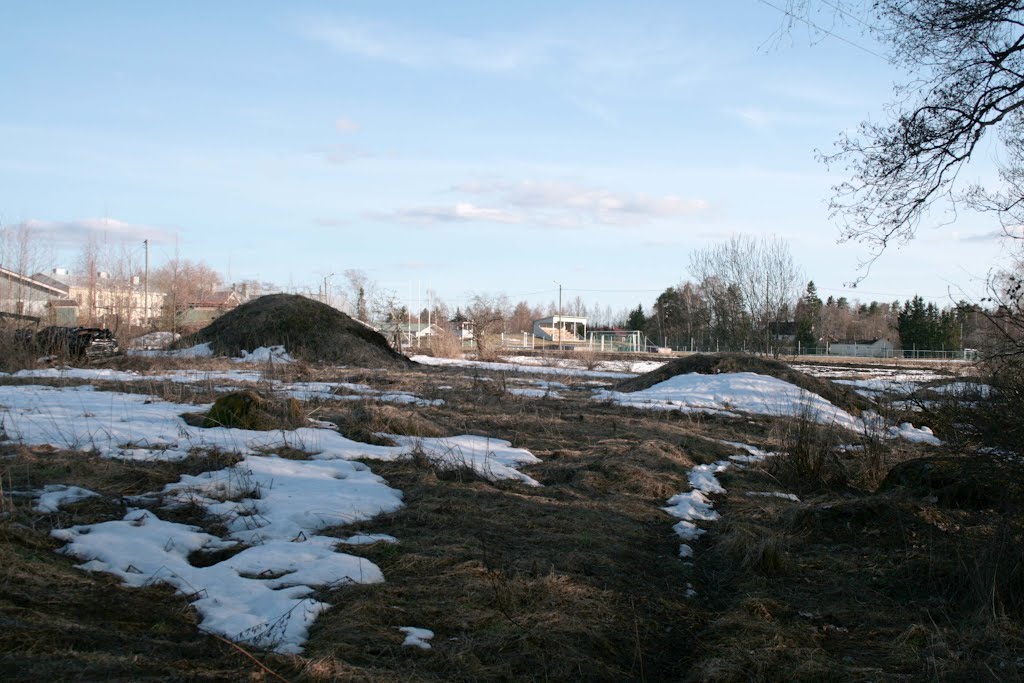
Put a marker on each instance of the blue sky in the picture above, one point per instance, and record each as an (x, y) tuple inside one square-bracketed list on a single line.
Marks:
[(477, 147)]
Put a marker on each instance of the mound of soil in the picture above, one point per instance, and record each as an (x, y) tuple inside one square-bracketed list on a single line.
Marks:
[(981, 481), (309, 330), (716, 363)]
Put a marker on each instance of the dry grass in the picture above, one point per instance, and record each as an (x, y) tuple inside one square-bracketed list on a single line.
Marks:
[(366, 420), (907, 566), (59, 622), (881, 573)]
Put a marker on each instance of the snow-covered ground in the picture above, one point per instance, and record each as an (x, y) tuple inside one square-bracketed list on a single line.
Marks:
[(272, 507), (894, 374), (531, 366), (748, 392), (275, 509), (228, 380)]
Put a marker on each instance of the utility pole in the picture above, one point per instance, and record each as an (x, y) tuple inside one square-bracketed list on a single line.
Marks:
[(561, 325), (145, 300), (767, 311)]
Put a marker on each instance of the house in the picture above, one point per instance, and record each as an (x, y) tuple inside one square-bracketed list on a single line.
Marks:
[(417, 333), (202, 312), (863, 348)]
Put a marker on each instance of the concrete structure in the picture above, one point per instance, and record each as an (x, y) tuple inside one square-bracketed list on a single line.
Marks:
[(867, 348), (561, 328)]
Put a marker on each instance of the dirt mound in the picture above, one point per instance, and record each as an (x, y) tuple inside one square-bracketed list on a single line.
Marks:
[(715, 363), (308, 329), (981, 481)]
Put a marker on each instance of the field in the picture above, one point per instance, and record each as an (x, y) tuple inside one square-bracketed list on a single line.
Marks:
[(525, 519)]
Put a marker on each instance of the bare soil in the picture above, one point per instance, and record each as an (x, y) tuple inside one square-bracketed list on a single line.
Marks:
[(310, 330)]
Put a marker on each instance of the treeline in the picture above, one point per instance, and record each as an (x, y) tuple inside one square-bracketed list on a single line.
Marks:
[(716, 317)]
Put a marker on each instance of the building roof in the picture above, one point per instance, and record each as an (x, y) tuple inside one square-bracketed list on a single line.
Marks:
[(47, 280), (561, 319), (46, 285), (223, 298)]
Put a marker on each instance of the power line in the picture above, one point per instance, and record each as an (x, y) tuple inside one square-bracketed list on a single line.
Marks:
[(826, 31)]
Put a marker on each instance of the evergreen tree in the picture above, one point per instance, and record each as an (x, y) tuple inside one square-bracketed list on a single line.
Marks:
[(808, 317), (636, 320)]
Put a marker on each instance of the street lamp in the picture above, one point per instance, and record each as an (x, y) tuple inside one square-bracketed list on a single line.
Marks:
[(327, 297)]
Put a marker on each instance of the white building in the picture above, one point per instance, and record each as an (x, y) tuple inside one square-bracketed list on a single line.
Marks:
[(29, 294), (108, 302), (561, 328), (868, 348)]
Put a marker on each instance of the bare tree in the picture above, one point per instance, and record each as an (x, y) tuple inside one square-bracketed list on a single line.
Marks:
[(965, 60), (184, 282), (88, 269), (388, 310), (488, 315), (759, 275), (522, 317), (361, 290)]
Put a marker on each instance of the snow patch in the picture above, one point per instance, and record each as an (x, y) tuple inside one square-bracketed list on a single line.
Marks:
[(416, 637), (259, 596), (52, 496)]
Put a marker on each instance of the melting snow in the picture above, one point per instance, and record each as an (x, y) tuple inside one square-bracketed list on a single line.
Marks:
[(275, 505), (259, 596), (759, 394), (522, 367), (53, 496), (416, 637)]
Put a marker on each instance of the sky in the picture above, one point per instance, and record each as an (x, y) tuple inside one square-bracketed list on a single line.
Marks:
[(462, 147)]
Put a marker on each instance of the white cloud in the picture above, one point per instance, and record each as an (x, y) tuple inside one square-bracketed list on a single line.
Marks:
[(343, 154), (425, 49), (333, 222), (568, 205), (344, 125), (462, 212), (75, 232), (1015, 232), (603, 53)]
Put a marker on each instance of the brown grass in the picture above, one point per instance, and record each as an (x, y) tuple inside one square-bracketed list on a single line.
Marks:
[(883, 574)]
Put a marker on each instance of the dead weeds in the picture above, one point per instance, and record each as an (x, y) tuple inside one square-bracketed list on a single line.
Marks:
[(578, 579)]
